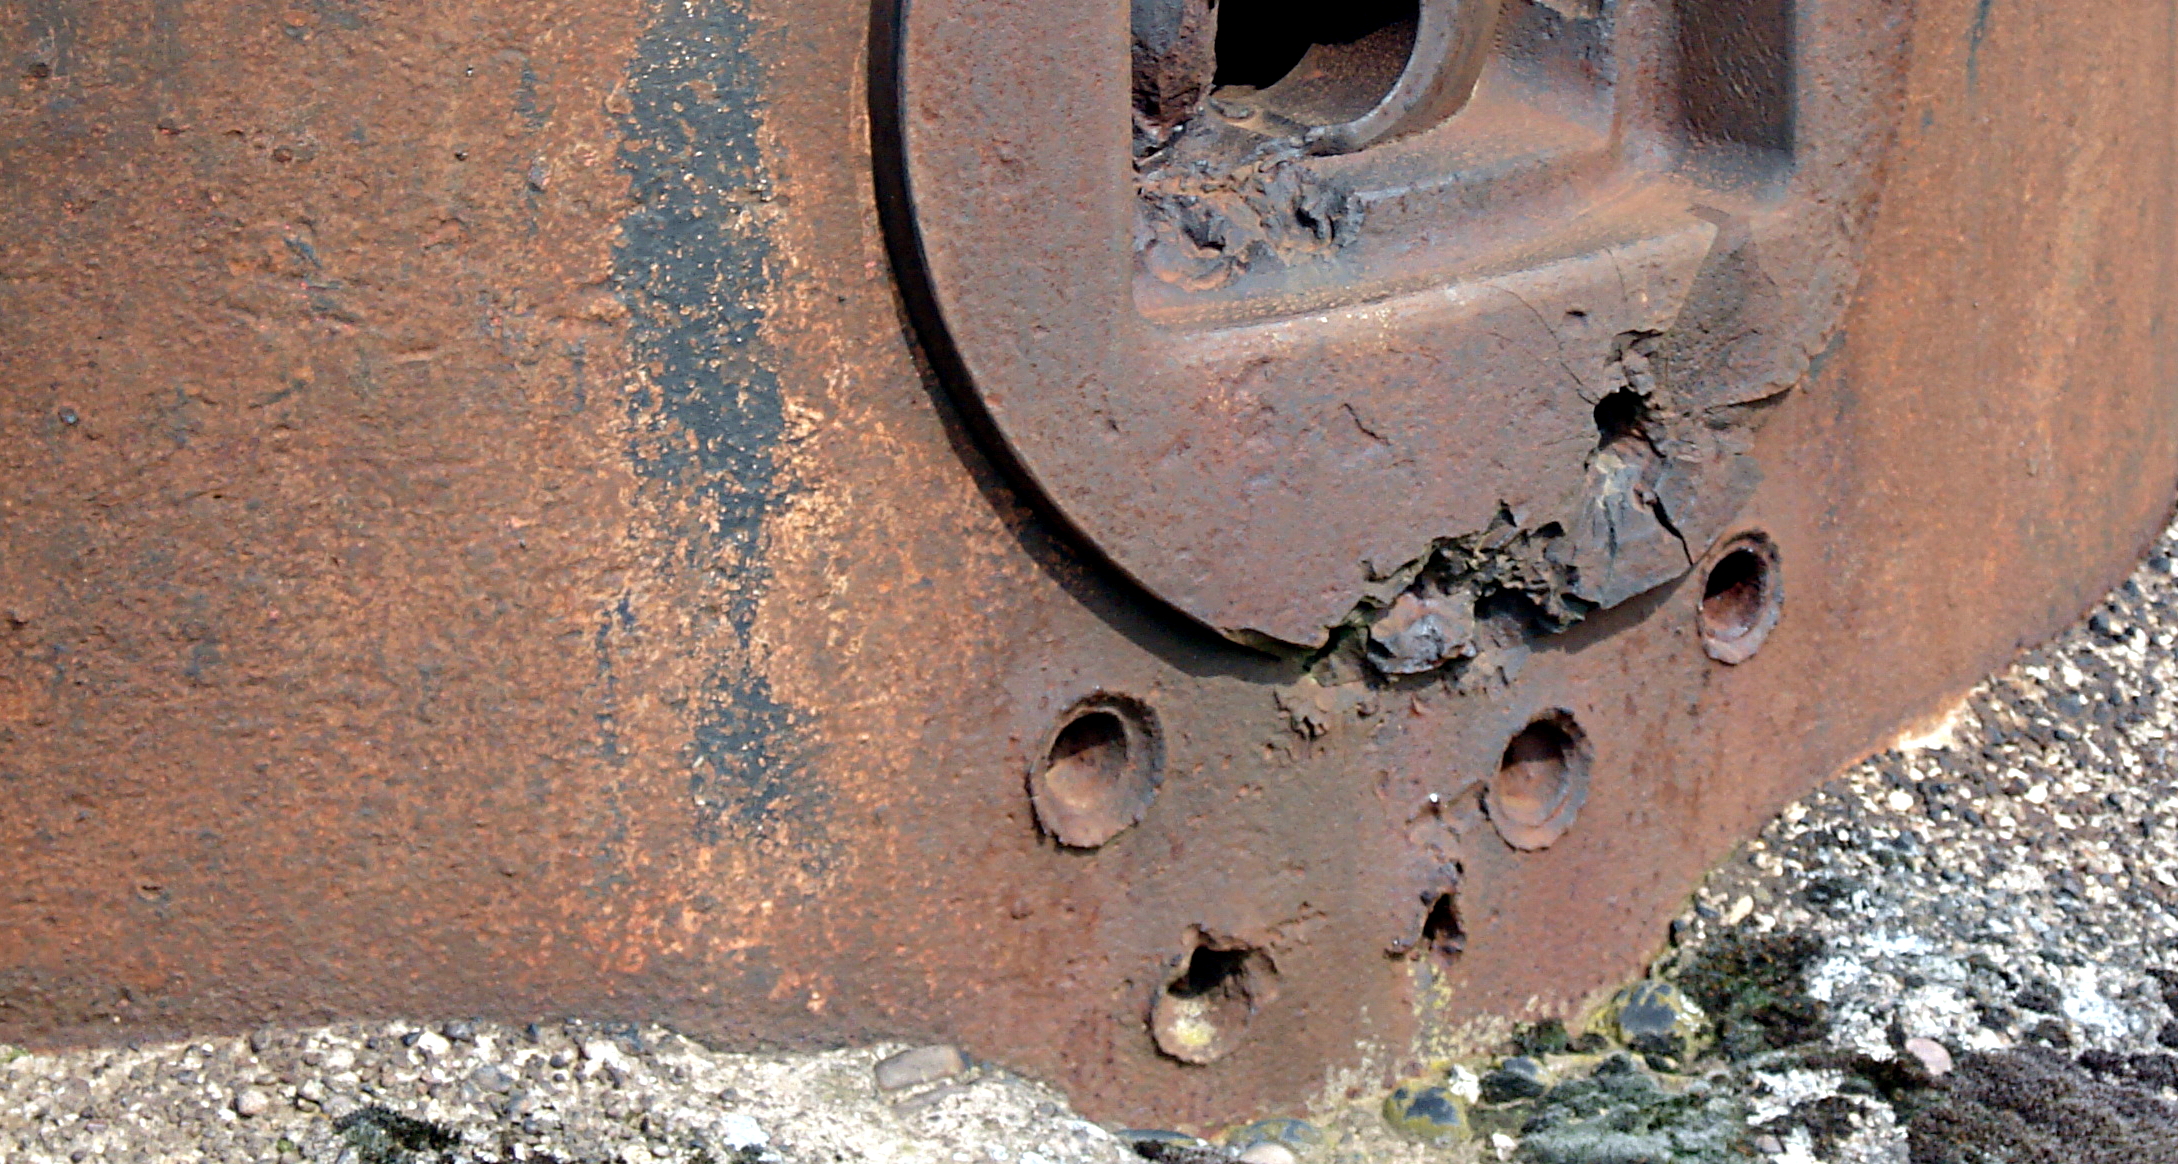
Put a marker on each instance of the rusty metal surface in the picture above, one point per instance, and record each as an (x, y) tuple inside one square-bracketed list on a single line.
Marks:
[(479, 538)]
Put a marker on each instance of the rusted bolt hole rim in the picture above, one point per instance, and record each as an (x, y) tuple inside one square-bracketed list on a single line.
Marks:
[(1743, 596), (1541, 782), (1099, 772), (1204, 1009)]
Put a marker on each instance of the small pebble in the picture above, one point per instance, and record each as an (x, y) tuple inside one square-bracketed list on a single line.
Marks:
[(1656, 1018), (1901, 800), (1934, 1057), (1298, 1135), (913, 1068), (251, 1103), (1515, 1079), (1139, 1136), (1741, 910), (1269, 1153), (1430, 1112), (740, 1132)]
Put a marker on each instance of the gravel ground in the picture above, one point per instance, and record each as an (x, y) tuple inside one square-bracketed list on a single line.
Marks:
[(2003, 893), (480, 1092), (1962, 951)]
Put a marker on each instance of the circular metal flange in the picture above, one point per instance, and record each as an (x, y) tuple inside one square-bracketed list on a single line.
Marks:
[(1273, 387)]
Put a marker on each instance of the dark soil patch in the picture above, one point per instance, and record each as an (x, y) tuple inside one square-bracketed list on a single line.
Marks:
[(2034, 1106)]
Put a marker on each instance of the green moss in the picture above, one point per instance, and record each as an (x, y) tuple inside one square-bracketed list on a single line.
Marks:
[(1622, 1115), (1547, 1037), (1754, 988), (381, 1136)]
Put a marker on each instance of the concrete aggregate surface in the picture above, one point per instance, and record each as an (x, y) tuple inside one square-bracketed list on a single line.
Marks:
[(473, 1091), (1962, 951)]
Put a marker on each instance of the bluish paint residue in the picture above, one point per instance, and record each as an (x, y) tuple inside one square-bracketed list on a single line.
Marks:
[(708, 418), (1974, 36)]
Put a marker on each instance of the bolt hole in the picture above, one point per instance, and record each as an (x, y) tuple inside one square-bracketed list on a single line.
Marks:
[(1203, 1010), (1442, 933), (1209, 972), (1089, 753), (1541, 783), (1741, 601), (1315, 64), (1100, 772)]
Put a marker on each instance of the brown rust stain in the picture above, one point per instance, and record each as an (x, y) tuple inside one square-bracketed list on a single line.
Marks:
[(315, 497)]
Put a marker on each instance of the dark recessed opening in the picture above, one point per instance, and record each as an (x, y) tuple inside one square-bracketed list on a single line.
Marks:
[(1732, 598), (1328, 63), (1513, 612), (1100, 774), (1741, 601), (1209, 971), (1541, 783), (1621, 416), (1534, 778), (1441, 932), (1259, 41), (1089, 751), (1201, 1014)]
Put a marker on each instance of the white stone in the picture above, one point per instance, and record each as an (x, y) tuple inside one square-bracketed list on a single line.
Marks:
[(737, 1131), (920, 1065), (1934, 1058)]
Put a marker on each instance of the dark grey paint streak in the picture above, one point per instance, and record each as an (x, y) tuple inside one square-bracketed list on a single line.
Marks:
[(706, 423)]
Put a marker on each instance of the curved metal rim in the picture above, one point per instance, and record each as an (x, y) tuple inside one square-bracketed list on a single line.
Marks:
[(905, 252)]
